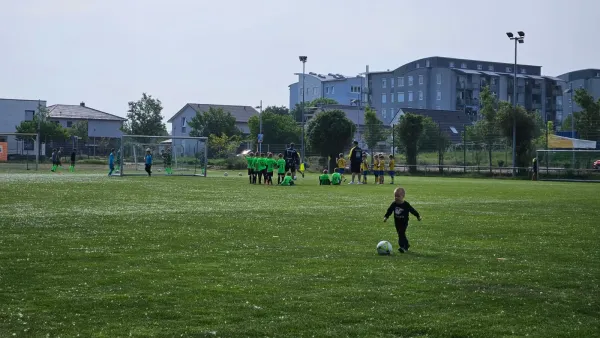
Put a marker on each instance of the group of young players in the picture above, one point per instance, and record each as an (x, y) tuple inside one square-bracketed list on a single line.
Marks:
[(379, 168)]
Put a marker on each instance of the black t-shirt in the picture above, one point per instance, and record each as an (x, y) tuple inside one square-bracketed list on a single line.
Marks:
[(401, 212), (291, 156), (356, 155)]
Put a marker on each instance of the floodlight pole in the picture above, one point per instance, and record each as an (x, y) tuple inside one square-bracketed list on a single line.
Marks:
[(260, 127), (303, 60), (572, 125), (37, 141), (520, 38)]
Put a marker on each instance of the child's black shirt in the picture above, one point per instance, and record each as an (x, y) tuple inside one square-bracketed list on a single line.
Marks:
[(401, 212)]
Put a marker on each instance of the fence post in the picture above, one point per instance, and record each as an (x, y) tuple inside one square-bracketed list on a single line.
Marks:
[(440, 150), (465, 148)]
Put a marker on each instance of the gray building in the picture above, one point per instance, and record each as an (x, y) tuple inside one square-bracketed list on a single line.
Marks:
[(341, 88), (12, 113), (451, 122), (440, 83), (100, 124), (588, 79)]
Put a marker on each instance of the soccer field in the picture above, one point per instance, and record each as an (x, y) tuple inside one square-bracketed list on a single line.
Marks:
[(84, 254)]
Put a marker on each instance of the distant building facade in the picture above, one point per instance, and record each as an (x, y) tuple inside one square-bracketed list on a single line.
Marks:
[(343, 89), (451, 84), (100, 124), (12, 113), (588, 79)]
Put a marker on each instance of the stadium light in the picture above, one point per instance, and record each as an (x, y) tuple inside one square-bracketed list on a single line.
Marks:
[(260, 131), (517, 39), (303, 59)]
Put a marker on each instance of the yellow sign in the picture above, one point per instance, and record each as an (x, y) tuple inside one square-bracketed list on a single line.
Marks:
[(557, 142)]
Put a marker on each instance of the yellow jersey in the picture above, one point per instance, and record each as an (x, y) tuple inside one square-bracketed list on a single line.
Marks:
[(375, 164), (341, 163), (364, 165), (381, 165), (391, 165)]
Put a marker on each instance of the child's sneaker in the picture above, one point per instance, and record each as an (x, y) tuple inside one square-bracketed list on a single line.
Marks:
[(401, 250)]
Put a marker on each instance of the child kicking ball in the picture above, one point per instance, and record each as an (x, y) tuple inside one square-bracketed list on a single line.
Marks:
[(401, 210)]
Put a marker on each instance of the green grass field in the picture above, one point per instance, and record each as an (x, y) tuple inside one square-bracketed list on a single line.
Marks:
[(84, 254)]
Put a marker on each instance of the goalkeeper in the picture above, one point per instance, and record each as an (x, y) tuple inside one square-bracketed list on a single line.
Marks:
[(167, 160)]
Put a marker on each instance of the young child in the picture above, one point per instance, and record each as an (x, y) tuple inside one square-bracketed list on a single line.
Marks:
[(392, 168), (168, 159), (270, 166), (364, 167), (250, 163), (148, 162), (118, 160), (58, 159), (341, 165), (72, 167), (111, 162), (336, 178), (280, 169), (288, 180), (53, 160), (324, 179), (381, 168), (401, 210), (376, 167), (261, 168)]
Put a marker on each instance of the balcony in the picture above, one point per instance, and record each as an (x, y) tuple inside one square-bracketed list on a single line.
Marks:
[(536, 91)]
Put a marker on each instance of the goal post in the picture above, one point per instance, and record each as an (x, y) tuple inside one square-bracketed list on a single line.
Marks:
[(20, 151), (171, 155), (576, 165)]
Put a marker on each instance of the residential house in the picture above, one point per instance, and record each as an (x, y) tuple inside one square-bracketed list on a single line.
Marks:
[(12, 113), (100, 124)]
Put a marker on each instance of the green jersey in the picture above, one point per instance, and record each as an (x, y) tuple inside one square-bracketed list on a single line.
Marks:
[(287, 180), (281, 166), (261, 163), (324, 179), (336, 178), (270, 164), (250, 161), (255, 163)]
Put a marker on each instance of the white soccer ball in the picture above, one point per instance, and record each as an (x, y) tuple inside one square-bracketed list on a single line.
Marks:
[(384, 248), (240, 174), (225, 174)]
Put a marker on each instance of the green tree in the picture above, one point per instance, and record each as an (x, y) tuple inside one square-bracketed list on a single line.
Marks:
[(566, 123), (408, 133), (486, 128), (278, 110), (374, 129), (144, 117), (587, 121), (329, 132), (215, 121), (223, 146), (527, 130), (277, 129), (49, 131), (79, 129)]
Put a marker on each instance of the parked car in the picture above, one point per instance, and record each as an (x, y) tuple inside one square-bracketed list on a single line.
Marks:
[(596, 165)]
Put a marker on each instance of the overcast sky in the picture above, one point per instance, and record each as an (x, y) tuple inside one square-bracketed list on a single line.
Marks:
[(108, 52)]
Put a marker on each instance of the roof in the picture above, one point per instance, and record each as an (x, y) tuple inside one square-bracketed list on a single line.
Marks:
[(353, 113), (452, 122), (581, 74), (80, 112), (328, 77), (241, 113)]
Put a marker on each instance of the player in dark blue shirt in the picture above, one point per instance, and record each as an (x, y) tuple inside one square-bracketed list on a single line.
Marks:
[(401, 210), (111, 162)]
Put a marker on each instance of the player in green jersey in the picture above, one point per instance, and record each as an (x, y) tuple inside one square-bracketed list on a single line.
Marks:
[(324, 179), (250, 162), (336, 178), (280, 169), (287, 180), (270, 166)]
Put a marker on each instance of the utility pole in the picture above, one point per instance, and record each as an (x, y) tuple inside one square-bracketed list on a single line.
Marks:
[(519, 39)]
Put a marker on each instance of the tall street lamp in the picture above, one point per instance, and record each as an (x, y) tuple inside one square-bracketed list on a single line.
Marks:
[(303, 60), (570, 92), (260, 131), (517, 39)]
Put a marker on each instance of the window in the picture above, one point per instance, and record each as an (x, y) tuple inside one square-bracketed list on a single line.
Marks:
[(491, 68), (420, 95), (523, 71), (355, 89), (29, 115), (307, 91), (315, 91), (392, 97), (438, 107), (332, 89), (451, 64), (391, 82), (439, 78), (400, 97), (410, 97), (401, 82), (420, 79), (479, 67), (183, 124), (508, 69), (427, 64), (597, 74), (301, 91), (69, 124), (326, 90), (383, 83), (463, 65), (418, 65), (410, 80), (383, 98), (383, 113), (439, 95)]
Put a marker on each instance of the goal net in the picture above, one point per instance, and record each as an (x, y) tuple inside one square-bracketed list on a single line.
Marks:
[(569, 165), (171, 155), (19, 151)]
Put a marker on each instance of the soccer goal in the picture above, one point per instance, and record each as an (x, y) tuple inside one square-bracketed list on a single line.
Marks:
[(19, 151), (569, 165), (171, 155)]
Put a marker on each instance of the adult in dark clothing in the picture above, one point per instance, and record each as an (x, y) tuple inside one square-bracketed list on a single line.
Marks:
[(291, 159), (356, 157)]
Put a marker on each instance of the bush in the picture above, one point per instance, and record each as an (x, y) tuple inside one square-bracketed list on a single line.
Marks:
[(93, 161), (230, 163)]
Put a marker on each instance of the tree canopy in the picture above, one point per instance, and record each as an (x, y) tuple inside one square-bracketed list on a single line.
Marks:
[(144, 117), (527, 130), (329, 133), (374, 131), (49, 131), (215, 121), (409, 131), (79, 129), (278, 110), (277, 128), (311, 106), (587, 121)]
